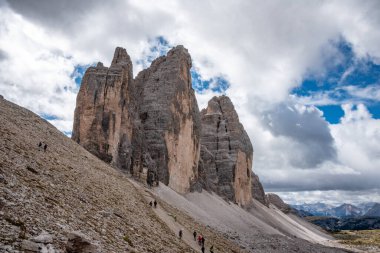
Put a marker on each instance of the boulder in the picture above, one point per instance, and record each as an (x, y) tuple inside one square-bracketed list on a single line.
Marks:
[(79, 243), (44, 237)]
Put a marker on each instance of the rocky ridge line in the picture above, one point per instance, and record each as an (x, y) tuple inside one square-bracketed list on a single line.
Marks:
[(151, 127)]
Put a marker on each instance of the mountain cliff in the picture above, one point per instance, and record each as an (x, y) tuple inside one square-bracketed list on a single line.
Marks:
[(151, 127), (226, 152), (148, 126), (65, 200)]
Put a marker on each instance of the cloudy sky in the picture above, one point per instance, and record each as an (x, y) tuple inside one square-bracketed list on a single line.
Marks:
[(304, 75)]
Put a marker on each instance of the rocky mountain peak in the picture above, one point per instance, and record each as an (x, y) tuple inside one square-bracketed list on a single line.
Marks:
[(151, 127), (227, 153), (121, 57), (180, 52), (148, 126)]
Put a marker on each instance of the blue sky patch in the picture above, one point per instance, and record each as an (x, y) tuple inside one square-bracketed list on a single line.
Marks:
[(68, 133), (160, 46), (217, 84), (347, 79), (78, 73), (49, 117), (332, 113)]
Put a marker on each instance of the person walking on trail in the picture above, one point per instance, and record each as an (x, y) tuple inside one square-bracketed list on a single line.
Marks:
[(195, 235), (45, 147), (212, 249), (203, 249), (199, 239), (155, 203), (39, 145), (180, 234), (203, 241), (150, 203)]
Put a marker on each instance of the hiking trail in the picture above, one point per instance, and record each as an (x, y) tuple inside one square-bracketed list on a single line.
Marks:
[(167, 218)]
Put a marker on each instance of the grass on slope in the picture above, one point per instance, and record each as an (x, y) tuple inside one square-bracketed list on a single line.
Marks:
[(368, 240)]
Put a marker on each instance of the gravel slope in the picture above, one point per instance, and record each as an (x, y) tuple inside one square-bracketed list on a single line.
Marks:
[(259, 229), (49, 198), (66, 190)]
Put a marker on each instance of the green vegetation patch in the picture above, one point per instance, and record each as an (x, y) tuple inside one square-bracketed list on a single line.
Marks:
[(359, 237), (126, 238)]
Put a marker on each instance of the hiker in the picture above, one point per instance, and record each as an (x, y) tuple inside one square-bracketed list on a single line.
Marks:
[(212, 249), (180, 234), (45, 147), (155, 203), (203, 241), (150, 203), (39, 145), (195, 235), (203, 249), (199, 239)]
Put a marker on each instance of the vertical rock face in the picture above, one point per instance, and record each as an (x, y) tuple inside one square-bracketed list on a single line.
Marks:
[(169, 117), (149, 123), (226, 152), (102, 118), (258, 192), (151, 127)]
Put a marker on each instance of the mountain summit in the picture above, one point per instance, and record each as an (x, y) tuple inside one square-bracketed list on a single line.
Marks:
[(151, 127)]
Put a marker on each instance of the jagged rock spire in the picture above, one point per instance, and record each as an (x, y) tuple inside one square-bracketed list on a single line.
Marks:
[(121, 57), (226, 152), (151, 127)]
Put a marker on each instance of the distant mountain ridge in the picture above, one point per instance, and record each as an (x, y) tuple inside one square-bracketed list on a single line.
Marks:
[(370, 209), (374, 211)]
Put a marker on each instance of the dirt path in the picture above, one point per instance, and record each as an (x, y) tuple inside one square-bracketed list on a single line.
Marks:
[(168, 219)]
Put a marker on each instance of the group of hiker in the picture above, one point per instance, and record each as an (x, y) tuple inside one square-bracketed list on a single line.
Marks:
[(201, 240), (42, 145), (153, 203)]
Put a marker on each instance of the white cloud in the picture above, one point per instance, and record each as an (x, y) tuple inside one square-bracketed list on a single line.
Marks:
[(330, 197), (263, 48), (36, 73), (371, 92), (358, 141)]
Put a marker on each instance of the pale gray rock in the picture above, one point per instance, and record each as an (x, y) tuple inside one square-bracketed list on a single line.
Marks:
[(169, 116), (44, 237), (30, 246), (79, 243), (275, 200), (258, 192), (226, 152)]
